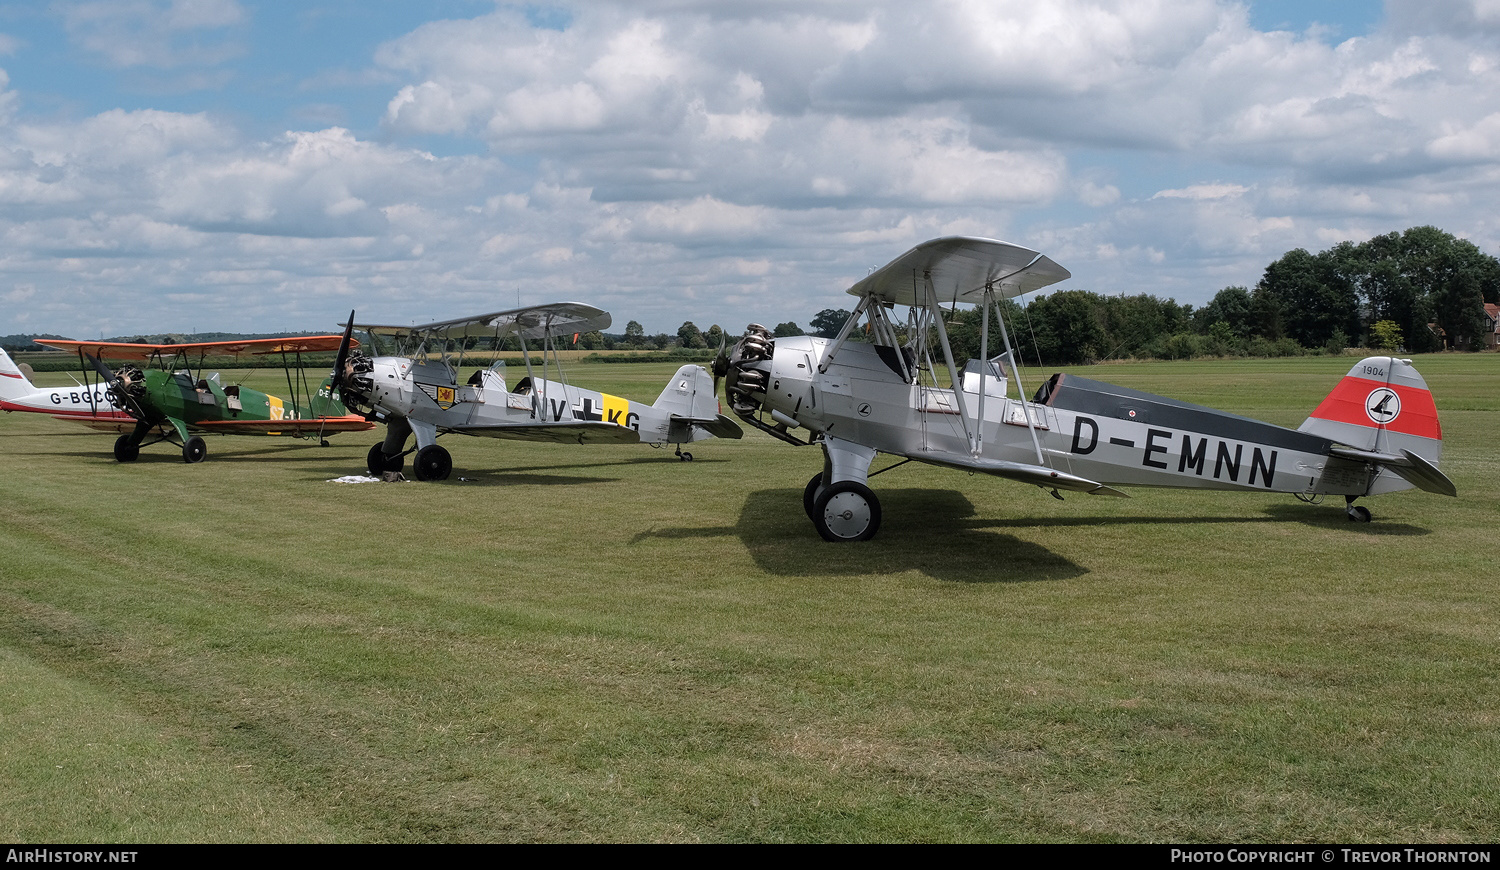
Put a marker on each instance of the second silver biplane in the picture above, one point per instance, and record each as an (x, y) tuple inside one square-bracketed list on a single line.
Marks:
[(417, 391), (1377, 432)]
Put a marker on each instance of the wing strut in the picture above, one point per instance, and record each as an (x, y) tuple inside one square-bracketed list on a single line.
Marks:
[(848, 327), (1020, 388), (958, 384)]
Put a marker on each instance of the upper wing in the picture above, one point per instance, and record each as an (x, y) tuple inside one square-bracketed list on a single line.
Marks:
[(120, 350), (555, 318), (960, 268)]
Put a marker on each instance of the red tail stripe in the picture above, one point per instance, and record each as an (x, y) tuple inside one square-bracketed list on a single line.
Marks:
[(1346, 404)]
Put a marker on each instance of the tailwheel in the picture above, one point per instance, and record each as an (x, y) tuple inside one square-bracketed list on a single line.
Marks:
[(846, 510), (433, 463), (810, 495), (194, 450), (125, 450), (1358, 513), (684, 456), (377, 464)]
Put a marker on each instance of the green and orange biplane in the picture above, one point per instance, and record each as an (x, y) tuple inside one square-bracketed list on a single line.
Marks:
[(169, 402)]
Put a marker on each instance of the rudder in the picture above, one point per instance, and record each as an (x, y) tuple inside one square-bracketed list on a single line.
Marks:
[(1382, 405), (13, 382), (690, 393)]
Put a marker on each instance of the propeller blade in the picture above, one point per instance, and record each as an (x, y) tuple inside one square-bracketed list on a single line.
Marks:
[(100, 367), (343, 356), (720, 365)]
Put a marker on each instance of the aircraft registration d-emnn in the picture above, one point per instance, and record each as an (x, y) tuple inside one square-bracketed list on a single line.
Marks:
[(1377, 432), (417, 391), (167, 401)]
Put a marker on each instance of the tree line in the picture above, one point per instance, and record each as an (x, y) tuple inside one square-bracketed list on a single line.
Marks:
[(1416, 291)]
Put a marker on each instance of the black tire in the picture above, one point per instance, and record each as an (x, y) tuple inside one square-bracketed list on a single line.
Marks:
[(432, 463), (846, 511), (810, 494), (1359, 514), (377, 464), (125, 451), (194, 450), (686, 456)]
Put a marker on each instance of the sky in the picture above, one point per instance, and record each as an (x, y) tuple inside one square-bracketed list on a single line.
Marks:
[(243, 166)]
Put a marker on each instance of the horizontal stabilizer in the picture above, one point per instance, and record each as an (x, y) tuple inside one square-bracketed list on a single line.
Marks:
[(1411, 467), (1040, 475), (718, 426)]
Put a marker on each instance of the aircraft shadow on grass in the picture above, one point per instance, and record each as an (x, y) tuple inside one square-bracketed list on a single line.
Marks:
[(937, 541), (1278, 513), (539, 475), (940, 537)]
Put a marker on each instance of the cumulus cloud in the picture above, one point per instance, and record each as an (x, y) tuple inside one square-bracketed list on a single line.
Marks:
[(729, 162), (152, 33)]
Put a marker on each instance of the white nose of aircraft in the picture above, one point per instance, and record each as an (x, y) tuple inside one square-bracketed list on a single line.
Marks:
[(390, 384)]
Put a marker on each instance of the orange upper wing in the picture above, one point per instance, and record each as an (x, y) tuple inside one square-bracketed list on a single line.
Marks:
[(121, 350)]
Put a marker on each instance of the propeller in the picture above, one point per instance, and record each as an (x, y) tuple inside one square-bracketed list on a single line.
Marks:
[(345, 380), (720, 365), (740, 377), (343, 356), (124, 388)]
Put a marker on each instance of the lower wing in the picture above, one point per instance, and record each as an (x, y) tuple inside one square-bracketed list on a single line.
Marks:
[(312, 426), (577, 432), (1041, 475)]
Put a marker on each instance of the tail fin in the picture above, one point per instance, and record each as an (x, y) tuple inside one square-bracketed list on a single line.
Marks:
[(1384, 410), (325, 403), (13, 381), (689, 394)]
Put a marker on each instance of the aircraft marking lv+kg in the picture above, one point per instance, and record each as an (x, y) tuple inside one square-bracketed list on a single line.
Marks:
[(417, 391)]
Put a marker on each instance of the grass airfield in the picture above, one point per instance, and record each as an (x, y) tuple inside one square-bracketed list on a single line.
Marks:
[(605, 644)]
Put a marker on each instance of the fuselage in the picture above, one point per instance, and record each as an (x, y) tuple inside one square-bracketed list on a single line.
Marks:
[(178, 395), (430, 393), (74, 401), (1112, 435)]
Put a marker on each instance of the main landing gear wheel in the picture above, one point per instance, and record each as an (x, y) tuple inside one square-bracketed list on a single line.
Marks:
[(125, 451), (194, 450), (1358, 513), (377, 464), (433, 463), (810, 495), (846, 511)]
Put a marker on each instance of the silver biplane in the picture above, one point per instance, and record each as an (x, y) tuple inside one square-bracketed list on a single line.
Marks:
[(417, 391), (1377, 432)]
